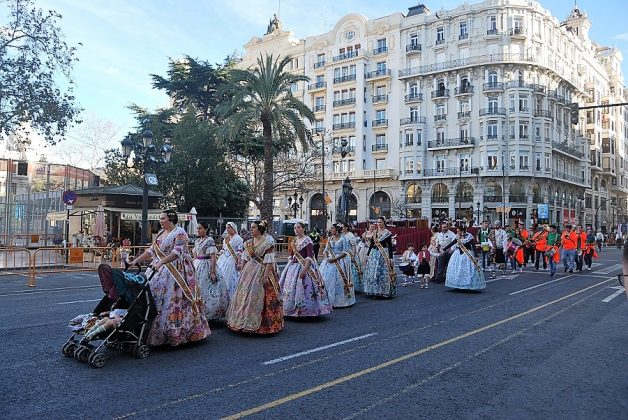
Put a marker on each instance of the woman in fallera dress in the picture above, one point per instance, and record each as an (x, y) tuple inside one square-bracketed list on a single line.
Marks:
[(463, 270), (302, 289), (180, 310), (256, 307), (380, 279), (356, 266), (214, 289), (228, 265), (336, 270)]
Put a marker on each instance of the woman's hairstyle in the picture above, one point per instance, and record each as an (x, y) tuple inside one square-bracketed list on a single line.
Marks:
[(204, 224), (262, 226), (382, 218), (410, 245), (172, 216), (300, 224), (233, 226), (347, 225)]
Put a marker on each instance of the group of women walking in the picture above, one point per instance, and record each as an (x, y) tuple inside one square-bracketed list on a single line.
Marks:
[(241, 283)]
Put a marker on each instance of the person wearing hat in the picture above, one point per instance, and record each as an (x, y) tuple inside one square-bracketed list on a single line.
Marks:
[(569, 242)]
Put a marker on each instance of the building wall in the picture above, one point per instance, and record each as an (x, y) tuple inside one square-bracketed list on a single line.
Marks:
[(465, 111)]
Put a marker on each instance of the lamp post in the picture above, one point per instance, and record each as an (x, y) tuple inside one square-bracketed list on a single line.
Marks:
[(478, 211), (347, 189), (147, 154), (298, 203)]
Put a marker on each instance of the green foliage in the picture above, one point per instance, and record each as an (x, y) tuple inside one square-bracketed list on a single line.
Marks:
[(33, 59)]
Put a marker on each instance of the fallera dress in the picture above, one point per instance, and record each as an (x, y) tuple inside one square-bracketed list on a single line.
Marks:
[(463, 272), (356, 265), (256, 307), (337, 276), (378, 278), (180, 309), (215, 293), (307, 297), (232, 248)]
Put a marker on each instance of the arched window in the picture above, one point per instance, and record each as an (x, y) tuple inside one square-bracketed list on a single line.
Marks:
[(440, 193), (492, 193), (317, 213), (379, 205), (413, 90), (492, 78), (353, 209), (413, 194), (517, 193), (536, 194), (464, 193)]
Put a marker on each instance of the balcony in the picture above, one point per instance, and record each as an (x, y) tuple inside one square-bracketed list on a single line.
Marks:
[(463, 90), (493, 198), (493, 87), (378, 74), (414, 97), (464, 114), (382, 147), (517, 84), (440, 94), (492, 111), (441, 172), (318, 130), (492, 32), (346, 56), (346, 78), (517, 198), (379, 123), (440, 42), (451, 143), (378, 173), (490, 137), (319, 64), (343, 102), (568, 177), (440, 117), (380, 50), (317, 86), (336, 150), (567, 150), (555, 96), (319, 108), (539, 89), (412, 120), (543, 113), (463, 37), (344, 126), (339, 176), (517, 32), (376, 99), (413, 48)]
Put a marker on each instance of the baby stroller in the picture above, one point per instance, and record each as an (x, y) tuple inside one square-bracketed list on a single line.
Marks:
[(123, 290)]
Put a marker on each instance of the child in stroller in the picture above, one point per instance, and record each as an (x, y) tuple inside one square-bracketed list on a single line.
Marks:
[(121, 319)]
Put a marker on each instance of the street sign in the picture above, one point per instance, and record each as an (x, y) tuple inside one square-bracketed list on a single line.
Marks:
[(69, 197), (151, 179)]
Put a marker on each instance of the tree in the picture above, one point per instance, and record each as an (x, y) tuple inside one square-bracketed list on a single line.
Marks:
[(262, 101), (93, 138), (34, 58)]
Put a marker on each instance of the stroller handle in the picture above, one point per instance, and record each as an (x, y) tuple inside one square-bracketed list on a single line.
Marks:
[(127, 266)]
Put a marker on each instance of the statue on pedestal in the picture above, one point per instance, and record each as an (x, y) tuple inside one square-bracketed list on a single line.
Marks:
[(273, 25)]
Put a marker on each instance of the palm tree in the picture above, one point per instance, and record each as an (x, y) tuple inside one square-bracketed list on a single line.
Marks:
[(261, 98)]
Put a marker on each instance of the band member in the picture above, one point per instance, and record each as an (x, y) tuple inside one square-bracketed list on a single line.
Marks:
[(589, 250), (485, 247), (464, 272), (514, 252), (524, 237), (500, 239), (552, 254), (581, 244), (569, 242), (540, 246), (444, 238), (408, 265)]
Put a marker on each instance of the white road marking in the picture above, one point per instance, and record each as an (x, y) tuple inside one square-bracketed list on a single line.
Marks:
[(78, 301), (620, 291), (40, 291), (500, 277), (328, 346), (609, 269), (539, 285)]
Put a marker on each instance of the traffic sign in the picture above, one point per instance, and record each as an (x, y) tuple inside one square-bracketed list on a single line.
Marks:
[(69, 197)]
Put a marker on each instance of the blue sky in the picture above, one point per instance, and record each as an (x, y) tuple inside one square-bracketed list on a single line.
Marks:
[(124, 41)]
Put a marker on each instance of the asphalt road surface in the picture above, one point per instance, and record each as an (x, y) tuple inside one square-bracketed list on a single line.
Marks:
[(529, 346)]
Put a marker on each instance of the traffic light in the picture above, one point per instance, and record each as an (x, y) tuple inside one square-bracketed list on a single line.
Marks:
[(574, 113), (343, 147)]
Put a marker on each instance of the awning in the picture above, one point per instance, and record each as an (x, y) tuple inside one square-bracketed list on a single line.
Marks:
[(125, 214)]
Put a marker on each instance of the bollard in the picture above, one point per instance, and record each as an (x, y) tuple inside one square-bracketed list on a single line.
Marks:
[(32, 278)]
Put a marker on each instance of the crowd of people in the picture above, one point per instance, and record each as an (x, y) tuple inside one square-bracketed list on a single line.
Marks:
[(242, 285)]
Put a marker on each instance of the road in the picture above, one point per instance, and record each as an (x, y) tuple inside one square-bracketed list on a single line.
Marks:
[(527, 347)]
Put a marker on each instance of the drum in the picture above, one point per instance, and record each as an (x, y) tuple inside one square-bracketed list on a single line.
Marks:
[(579, 252), (550, 252), (485, 246), (517, 241), (512, 248)]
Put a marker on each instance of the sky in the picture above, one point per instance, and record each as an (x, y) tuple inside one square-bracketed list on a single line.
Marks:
[(124, 41)]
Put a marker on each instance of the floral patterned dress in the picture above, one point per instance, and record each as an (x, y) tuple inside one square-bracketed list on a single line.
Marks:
[(356, 265), (215, 293), (337, 276), (305, 297), (180, 311), (378, 279), (256, 307), (227, 263)]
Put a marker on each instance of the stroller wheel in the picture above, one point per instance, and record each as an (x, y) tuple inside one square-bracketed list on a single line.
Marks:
[(81, 354), (97, 360), (68, 349), (142, 352)]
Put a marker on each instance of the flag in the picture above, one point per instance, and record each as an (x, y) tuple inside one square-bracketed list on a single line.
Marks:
[(327, 199)]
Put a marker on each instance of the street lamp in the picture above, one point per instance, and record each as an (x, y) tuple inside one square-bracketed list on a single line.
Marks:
[(347, 189), (298, 203), (147, 154), (478, 211)]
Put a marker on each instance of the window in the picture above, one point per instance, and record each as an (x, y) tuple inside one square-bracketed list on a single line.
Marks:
[(537, 161), (419, 137), (381, 66), (492, 78), (320, 80), (409, 140), (440, 35), (464, 106), (548, 162), (380, 90), (492, 24), (320, 59), (419, 167), (440, 134), (513, 161), (464, 34), (414, 114), (491, 161), (351, 166), (380, 114), (381, 44), (414, 38), (440, 163), (493, 104), (464, 163), (440, 110), (524, 162), (464, 132), (380, 164), (523, 131), (491, 130), (523, 104), (413, 90), (409, 166), (380, 140)]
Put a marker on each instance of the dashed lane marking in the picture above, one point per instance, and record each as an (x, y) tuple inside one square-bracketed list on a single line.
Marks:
[(620, 291)]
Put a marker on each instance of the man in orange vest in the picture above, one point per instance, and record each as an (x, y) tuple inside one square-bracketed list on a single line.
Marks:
[(539, 242), (581, 243), (569, 242), (525, 236)]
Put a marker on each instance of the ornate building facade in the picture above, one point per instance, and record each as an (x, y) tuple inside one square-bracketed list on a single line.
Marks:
[(462, 113)]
